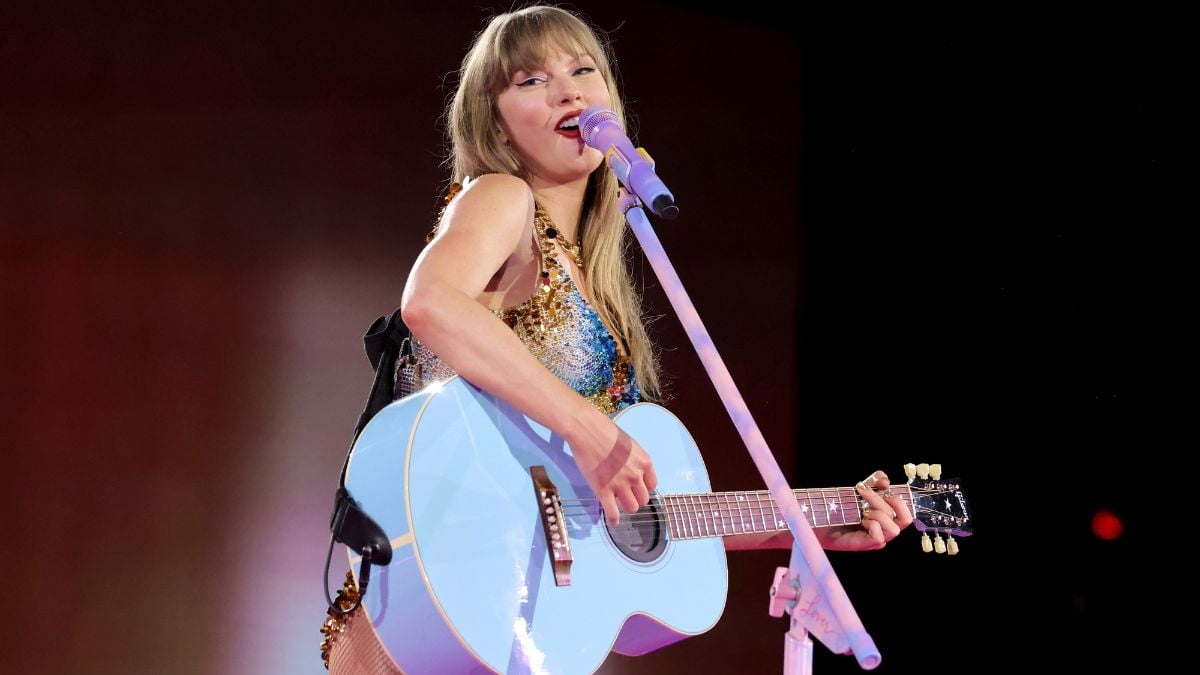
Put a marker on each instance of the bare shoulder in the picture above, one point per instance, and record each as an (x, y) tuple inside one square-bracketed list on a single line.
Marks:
[(493, 208), (481, 230)]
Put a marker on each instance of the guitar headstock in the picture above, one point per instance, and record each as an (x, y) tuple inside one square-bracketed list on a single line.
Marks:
[(939, 507)]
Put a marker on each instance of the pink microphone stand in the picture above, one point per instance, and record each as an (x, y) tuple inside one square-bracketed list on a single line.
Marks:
[(807, 589)]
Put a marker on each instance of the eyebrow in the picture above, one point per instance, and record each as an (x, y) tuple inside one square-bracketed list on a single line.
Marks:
[(576, 59)]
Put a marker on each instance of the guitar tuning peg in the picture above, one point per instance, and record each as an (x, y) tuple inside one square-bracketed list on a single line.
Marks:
[(939, 546), (910, 470), (951, 545), (923, 470), (935, 471), (926, 544)]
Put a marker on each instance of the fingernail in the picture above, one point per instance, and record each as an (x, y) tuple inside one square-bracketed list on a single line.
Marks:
[(862, 486)]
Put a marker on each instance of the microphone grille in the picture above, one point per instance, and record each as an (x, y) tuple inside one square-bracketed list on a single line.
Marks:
[(591, 119)]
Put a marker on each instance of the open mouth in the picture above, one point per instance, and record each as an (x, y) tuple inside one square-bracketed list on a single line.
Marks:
[(569, 126)]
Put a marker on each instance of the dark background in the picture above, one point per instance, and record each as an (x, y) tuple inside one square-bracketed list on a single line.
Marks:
[(914, 238)]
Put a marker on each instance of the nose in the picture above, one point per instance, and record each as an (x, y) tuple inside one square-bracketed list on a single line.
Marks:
[(569, 92)]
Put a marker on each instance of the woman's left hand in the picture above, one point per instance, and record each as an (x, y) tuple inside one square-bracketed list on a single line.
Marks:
[(882, 521)]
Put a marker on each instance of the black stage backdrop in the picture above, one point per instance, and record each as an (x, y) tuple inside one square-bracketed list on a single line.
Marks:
[(914, 237)]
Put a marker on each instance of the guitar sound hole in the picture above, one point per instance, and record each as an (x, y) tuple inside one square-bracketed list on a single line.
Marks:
[(642, 535)]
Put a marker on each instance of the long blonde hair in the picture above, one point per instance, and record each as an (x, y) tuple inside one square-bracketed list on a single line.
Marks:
[(521, 40)]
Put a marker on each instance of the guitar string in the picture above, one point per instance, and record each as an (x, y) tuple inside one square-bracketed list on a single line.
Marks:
[(730, 513), (692, 513), (702, 516), (707, 499), (733, 499), (726, 524), (846, 492)]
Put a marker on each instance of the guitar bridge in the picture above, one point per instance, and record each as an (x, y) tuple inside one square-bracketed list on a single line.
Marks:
[(558, 546)]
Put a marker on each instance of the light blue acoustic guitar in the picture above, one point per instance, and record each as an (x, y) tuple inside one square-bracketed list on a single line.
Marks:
[(502, 561)]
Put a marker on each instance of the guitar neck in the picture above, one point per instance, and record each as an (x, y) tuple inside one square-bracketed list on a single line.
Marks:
[(721, 514)]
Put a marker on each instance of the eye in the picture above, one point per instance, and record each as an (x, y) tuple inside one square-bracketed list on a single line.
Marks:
[(530, 82), (584, 70)]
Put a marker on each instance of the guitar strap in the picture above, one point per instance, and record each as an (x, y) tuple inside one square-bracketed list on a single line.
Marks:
[(384, 342)]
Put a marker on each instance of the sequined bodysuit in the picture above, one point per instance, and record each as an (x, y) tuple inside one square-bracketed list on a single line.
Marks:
[(559, 328)]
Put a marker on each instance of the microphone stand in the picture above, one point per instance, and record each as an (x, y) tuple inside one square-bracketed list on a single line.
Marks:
[(808, 588)]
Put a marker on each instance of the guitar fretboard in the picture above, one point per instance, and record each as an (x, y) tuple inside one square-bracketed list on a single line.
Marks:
[(721, 514)]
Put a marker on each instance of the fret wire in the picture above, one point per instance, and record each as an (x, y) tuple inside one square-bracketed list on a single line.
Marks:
[(679, 514), (804, 499), (674, 516), (741, 497), (705, 514), (691, 520), (666, 510), (781, 520), (768, 511), (685, 502), (699, 525), (762, 512), (811, 508), (825, 506), (686, 510), (720, 512), (808, 512), (700, 533), (774, 512), (750, 508), (697, 528)]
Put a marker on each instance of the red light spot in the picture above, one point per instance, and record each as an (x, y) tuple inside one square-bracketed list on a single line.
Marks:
[(1107, 525)]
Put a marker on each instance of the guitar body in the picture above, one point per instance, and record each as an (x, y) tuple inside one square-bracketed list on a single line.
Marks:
[(446, 474)]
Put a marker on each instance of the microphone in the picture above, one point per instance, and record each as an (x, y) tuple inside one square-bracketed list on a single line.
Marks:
[(601, 129)]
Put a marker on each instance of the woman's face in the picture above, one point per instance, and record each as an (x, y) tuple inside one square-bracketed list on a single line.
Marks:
[(539, 113)]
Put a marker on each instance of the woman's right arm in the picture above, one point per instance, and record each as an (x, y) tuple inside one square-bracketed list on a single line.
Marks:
[(481, 229)]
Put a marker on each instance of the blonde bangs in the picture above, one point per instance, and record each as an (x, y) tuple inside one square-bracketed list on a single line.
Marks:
[(526, 41)]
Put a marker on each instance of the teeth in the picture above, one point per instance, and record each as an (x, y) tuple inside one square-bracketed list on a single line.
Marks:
[(572, 121)]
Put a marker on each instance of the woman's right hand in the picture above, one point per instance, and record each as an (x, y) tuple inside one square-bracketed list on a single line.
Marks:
[(615, 466)]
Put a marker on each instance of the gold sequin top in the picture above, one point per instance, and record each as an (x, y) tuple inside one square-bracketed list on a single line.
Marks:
[(560, 329)]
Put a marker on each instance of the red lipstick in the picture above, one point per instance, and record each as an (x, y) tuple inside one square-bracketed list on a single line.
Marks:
[(570, 132)]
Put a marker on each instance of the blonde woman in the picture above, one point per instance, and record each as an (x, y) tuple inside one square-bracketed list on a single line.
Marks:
[(523, 290)]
